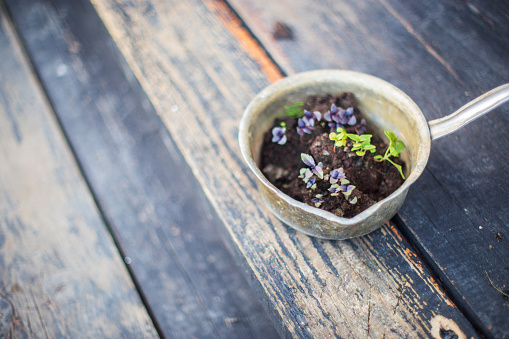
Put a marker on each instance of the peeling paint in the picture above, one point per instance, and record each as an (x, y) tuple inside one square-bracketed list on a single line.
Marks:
[(440, 324), (250, 45)]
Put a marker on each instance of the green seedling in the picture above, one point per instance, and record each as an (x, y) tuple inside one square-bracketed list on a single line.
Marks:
[(362, 144), (339, 138), (396, 146), (295, 110)]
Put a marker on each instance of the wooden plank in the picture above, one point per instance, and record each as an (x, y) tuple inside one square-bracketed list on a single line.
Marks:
[(60, 273), (443, 54), (158, 213), (188, 55)]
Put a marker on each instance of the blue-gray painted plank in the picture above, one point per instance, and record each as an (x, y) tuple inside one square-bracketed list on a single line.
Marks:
[(157, 211), (60, 272)]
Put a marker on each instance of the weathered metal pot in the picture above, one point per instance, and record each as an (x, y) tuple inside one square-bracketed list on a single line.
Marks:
[(385, 107)]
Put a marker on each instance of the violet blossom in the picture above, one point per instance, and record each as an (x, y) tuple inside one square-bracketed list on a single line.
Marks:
[(339, 117), (318, 200), (278, 134), (315, 168), (336, 175), (307, 122)]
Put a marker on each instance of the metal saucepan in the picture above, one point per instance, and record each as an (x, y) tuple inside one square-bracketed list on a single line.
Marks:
[(385, 107)]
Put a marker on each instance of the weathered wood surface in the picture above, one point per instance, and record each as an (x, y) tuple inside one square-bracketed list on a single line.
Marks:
[(159, 216), (200, 67), (443, 54), (60, 273)]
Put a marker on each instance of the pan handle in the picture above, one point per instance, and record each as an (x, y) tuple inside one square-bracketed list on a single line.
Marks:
[(471, 111)]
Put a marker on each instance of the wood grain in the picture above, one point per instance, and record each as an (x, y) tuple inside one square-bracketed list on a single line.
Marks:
[(158, 214), (443, 54), (373, 286), (60, 273)]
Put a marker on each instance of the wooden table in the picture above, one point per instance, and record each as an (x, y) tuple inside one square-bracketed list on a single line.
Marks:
[(126, 209)]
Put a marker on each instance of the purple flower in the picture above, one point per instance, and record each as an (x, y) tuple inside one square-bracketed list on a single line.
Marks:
[(361, 127), (347, 189), (315, 115), (309, 161), (334, 189), (310, 182), (339, 117), (344, 188), (307, 122), (305, 125), (305, 173), (336, 175), (306, 176), (278, 134), (318, 200)]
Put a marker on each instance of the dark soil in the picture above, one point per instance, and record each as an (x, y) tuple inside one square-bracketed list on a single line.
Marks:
[(373, 180)]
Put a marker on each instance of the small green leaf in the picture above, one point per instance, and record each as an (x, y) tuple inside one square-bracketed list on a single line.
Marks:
[(399, 147), (295, 105), (365, 137), (290, 111), (391, 136), (354, 137), (396, 146)]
